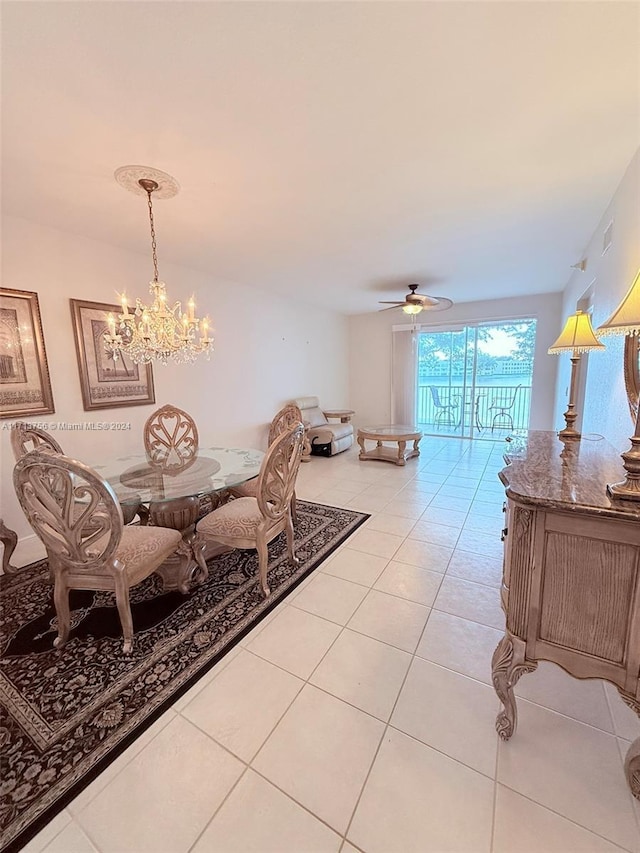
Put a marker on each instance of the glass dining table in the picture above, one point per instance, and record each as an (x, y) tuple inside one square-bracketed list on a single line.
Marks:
[(175, 495), (136, 480)]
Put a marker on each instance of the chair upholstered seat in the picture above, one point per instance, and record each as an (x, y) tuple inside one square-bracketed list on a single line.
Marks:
[(339, 431), (240, 517), (140, 546)]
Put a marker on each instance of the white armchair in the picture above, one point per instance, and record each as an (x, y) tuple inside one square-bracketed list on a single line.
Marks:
[(326, 438)]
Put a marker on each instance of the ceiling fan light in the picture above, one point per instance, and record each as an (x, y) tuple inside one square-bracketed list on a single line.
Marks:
[(411, 308)]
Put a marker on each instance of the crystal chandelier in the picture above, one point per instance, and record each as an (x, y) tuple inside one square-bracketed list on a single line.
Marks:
[(158, 331)]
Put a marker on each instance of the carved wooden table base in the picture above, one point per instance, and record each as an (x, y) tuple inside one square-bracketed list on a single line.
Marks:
[(187, 567)]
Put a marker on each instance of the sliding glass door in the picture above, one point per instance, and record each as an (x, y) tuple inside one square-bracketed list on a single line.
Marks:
[(474, 381)]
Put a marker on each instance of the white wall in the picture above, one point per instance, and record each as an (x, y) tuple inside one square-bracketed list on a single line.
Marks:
[(268, 349), (370, 352), (606, 411)]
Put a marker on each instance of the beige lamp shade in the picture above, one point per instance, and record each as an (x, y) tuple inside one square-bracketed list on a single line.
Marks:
[(625, 320), (577, 336)]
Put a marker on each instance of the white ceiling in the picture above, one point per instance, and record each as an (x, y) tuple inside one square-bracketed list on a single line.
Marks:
[(336, 151)]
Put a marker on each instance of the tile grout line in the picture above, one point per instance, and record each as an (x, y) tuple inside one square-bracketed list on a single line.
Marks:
[(564, 817), (377, 752), (249, 764), (125, 765), (84, 830), (387, 726), (224, 800)]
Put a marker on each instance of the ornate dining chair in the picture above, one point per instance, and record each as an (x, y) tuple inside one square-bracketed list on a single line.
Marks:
[(254, 522), (286, 418), (25, 437), (75, 514), (170, 438)]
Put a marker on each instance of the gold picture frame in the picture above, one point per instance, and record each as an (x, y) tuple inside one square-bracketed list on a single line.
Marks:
[(25, 383), (106, 383)]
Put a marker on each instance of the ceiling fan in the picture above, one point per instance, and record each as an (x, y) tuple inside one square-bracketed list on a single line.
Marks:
[(414, 302)]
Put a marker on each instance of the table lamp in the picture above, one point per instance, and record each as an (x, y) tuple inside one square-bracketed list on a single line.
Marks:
[(576, 337), (625, 320)]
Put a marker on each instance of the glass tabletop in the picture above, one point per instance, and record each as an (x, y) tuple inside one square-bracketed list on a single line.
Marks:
[(133, 478), (392, 429)]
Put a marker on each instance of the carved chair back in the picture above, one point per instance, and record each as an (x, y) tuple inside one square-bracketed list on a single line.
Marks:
[(71, 508), (171, 438), (25, 438), (277, 478), (286, 418)]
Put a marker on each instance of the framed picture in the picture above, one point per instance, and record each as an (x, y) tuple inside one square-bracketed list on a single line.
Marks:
[(25, 386), (106, 382)]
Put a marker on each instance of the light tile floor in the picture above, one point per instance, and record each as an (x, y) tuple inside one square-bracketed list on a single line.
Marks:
[(359, 716)]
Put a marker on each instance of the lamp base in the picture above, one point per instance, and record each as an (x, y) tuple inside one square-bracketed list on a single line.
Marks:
[(569, 434), (627, 490)]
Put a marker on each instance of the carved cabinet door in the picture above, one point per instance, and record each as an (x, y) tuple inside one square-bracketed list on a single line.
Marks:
[(588, 596)]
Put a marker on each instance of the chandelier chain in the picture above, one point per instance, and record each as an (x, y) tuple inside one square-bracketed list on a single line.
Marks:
[(154, 248), (158, 330)]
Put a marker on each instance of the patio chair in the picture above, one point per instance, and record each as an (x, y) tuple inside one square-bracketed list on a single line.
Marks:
[(253, 522), (502, 404), (445, 413), (76, 515)]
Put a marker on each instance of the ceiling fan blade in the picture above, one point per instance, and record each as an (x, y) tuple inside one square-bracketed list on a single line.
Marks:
[(392, 307), (437, 303), (387, 302)]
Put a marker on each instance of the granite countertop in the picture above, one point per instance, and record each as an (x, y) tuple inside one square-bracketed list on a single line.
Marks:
[(569, 476)]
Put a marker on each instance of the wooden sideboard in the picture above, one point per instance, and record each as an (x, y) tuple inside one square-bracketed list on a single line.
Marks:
[(571, 578)]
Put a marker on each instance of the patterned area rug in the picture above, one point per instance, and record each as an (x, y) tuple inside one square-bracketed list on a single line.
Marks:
[(65, 715)]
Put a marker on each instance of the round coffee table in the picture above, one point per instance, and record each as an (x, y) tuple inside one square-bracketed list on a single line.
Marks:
[(396, 433)]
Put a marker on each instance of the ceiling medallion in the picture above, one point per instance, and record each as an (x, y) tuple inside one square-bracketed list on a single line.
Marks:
[(129, 177)]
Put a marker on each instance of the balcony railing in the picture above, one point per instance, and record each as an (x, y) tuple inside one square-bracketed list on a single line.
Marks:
[(492, 409)]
